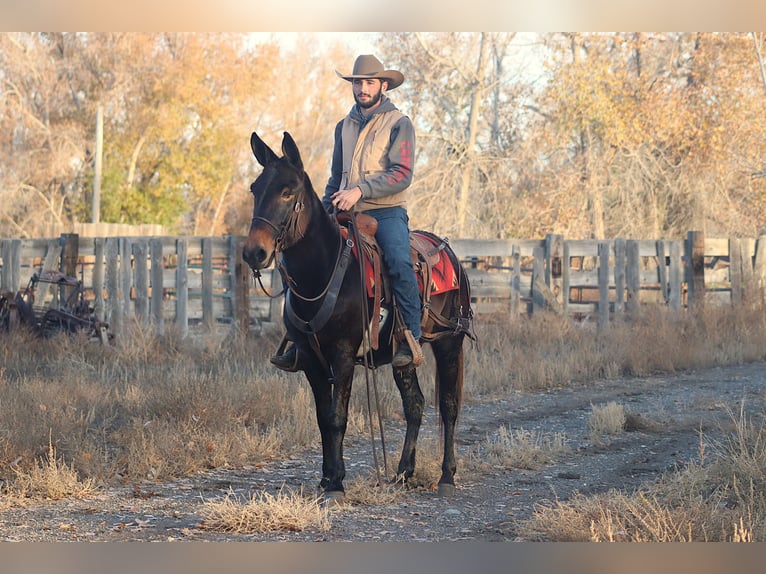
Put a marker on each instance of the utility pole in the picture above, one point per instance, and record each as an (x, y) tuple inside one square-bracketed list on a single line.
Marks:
[(96, 217)]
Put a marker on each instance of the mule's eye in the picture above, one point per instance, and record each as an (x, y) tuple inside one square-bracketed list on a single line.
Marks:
[(287, 193)]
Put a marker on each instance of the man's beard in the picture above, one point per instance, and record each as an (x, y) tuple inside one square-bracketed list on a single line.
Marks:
[(374, 99)]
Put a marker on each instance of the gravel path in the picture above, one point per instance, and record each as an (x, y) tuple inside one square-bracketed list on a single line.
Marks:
[(683, 409)]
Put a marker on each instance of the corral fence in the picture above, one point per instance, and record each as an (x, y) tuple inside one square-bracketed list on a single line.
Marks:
[(202, 281)]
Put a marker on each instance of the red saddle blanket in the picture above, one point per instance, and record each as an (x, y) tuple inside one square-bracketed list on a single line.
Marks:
[(444, 277)]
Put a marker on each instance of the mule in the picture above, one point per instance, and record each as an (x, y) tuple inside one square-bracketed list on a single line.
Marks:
[(325, 309)]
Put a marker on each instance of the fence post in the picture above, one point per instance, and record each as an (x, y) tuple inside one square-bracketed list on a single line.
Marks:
[(98, 278), (538, 256), (759, 265), (113, 299), (565, 278), (9, 251), (554, 250), (695, 269), (5, 277), (182, 287), (158, 290), (239, 280), (662, 270), (513, 304), (207, 283), (51, 262), (126, 276), (675, 274), (748, 273), (633, 276), (603, 284), (619, 276), (141, 280), (735, 271), (542, 296), (70, 252)]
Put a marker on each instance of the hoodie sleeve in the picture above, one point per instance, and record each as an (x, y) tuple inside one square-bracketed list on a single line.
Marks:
[(336, 169), (401, 156)]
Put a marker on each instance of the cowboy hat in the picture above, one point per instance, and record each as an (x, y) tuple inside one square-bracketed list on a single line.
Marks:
[(368, 66)]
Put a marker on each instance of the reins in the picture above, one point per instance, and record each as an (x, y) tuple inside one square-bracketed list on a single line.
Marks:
[(328, 296), (369, 366)]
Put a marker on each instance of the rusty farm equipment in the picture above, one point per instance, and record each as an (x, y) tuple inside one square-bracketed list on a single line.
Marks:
[(52, 303)]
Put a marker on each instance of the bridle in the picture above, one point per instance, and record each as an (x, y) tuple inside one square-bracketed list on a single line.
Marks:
[(284, 240), (281, 242)]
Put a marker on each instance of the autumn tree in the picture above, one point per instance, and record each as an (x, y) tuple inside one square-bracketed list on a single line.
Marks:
[(176, 114), (464, 98), (176, 134), (651, 135), (44, 90)]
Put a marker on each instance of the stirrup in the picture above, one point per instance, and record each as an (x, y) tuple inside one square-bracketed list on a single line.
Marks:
[(282, 359), (417, 351)]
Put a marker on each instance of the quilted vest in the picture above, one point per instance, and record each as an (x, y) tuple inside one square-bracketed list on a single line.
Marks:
[(364, 156)]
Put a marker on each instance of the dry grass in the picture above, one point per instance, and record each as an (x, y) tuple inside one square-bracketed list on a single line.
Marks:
[(263, 512), (546, 350), (518, 448), (365, 491), (162, 406), (606, 419), (720, 499), (51, 479)]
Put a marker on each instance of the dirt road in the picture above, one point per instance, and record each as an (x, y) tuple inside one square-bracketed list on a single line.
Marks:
[(681, 412)]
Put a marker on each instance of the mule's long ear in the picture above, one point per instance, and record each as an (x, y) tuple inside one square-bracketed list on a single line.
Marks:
[(261, 151), (290, 151)]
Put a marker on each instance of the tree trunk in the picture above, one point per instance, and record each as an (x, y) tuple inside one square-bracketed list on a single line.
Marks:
[(470, 152)]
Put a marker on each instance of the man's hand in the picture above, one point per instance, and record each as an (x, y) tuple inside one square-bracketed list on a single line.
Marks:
[(346, 199)]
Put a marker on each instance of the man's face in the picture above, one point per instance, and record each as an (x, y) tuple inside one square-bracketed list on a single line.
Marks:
[(367, 92)]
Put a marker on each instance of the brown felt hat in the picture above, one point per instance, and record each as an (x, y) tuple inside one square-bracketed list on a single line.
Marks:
[(368, 66)]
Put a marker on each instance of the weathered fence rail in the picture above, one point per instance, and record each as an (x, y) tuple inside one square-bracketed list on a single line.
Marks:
[(189, 281)]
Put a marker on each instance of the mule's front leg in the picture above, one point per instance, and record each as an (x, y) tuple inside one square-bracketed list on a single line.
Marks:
[(412, 402), (332, 416)]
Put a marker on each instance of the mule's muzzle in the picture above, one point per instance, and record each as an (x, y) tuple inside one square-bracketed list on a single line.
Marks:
[(256, 258), (258, 251)]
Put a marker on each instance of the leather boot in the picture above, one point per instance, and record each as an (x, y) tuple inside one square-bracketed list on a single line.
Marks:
[(408, 352), (287, 361), (403, 356)]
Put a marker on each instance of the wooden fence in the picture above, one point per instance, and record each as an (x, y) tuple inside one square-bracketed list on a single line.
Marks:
[(191, 281)]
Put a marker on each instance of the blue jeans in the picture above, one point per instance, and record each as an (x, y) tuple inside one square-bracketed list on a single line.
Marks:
[(393, 237)]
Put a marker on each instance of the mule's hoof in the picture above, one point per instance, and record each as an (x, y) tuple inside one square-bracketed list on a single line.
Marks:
[(445, 490), (332, 498)]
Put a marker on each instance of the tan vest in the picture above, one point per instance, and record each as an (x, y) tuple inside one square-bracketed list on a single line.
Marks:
[(364, 156)]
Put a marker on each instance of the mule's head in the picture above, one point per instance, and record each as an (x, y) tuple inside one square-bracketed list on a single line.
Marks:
[(278, 201)]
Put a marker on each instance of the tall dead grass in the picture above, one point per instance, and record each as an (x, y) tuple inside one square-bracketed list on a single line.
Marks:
[(719, 499), (160, 406), (548, 350), (264, 512), (519, 448)]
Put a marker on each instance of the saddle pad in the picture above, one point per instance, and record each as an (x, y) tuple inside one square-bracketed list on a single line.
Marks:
[(443, 274)]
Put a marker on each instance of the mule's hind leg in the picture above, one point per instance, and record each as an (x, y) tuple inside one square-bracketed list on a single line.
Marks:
[(412, 402), (449, 368)]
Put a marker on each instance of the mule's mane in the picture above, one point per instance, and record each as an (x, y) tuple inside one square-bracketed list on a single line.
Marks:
[(316, 205)]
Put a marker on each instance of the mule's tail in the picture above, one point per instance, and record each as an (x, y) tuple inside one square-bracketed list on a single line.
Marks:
[(461, 317)]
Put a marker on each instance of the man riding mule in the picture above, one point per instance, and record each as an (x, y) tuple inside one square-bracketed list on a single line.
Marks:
[(327, 311), (371, 171)]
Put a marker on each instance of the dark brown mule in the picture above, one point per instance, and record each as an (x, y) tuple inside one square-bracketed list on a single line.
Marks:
[(324, 308)]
